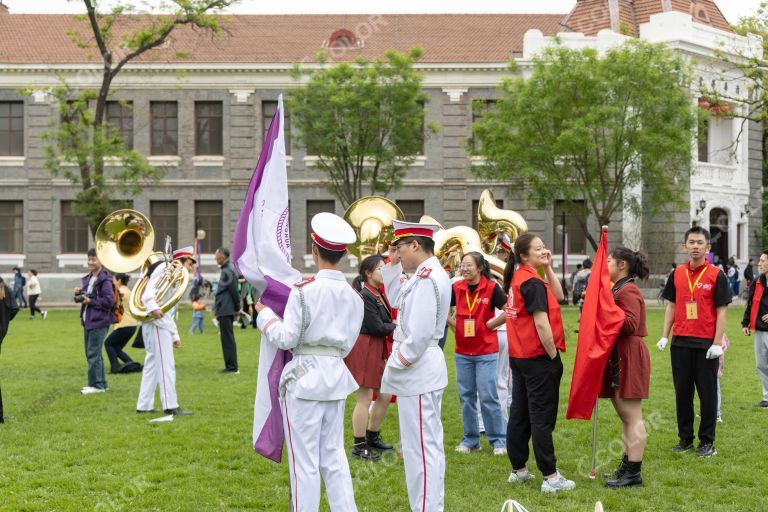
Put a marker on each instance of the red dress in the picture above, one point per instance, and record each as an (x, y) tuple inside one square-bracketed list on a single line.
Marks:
[(630, 360)]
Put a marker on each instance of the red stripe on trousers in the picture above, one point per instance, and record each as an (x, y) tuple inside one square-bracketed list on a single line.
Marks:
[(293, 459), (423, 457)]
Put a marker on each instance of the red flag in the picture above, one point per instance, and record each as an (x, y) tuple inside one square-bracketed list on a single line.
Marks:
[(601, 321)]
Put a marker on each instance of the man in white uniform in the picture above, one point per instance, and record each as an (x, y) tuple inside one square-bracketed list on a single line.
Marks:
[(416, 371), (321, 323), (160, 337)]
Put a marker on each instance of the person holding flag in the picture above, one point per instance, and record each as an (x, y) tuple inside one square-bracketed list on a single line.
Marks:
[(756, 321), (315, 384), (536, 338), (627, 377), (416, 371), (698, 296)]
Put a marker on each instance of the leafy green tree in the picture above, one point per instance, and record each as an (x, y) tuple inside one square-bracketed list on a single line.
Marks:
[(118, 36), (364, 121), (586, 126)]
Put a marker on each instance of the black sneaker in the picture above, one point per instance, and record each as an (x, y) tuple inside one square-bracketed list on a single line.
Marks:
[(374, 440), (706, 450), (233, 371), (626, 480), (363, 452), (178, 412), (763, 404), (683, 446), (618, 473)]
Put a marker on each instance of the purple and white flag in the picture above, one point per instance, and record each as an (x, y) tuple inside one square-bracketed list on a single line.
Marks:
[(261, 251)]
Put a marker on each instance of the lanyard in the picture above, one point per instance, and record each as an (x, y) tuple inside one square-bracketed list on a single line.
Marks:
[(474, 302), (691, 287)]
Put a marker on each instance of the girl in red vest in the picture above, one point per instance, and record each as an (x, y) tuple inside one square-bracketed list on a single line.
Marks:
[(756, 320), (536, 338), (476, 298), (628, 373)]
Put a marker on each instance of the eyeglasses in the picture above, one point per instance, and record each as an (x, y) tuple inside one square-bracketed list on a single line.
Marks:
[(400, 244)]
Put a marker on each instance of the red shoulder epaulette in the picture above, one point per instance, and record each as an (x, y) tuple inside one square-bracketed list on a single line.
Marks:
[(306, 281), (424, 273)]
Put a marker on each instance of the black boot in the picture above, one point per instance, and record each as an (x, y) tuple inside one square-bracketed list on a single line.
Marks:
[(373, 440), (362, 451), (630, 478), (615, 475)]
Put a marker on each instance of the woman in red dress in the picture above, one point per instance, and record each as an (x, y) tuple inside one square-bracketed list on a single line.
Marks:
[(367, 359), (628, 373)]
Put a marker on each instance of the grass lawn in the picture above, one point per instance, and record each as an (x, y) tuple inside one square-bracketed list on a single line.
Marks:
[(62, 451)]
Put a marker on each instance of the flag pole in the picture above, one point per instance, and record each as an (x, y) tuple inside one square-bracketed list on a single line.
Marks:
[(593, 466)]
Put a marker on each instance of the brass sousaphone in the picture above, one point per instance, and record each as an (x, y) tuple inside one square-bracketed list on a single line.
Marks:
[(124, 242), (371, 217)]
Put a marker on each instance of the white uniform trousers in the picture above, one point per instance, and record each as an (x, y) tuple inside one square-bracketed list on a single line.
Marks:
[(314, 436), (159, 369), (503, 376), (761, 358), (421, 435)]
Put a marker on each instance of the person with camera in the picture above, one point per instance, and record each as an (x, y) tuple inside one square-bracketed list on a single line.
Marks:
[(97, 299)]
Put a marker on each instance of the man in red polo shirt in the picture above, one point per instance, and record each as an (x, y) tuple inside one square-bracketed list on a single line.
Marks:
[(698, 296)]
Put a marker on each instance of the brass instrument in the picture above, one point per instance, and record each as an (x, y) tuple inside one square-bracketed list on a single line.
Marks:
[(371, 217), (124, 242), (492, 221)]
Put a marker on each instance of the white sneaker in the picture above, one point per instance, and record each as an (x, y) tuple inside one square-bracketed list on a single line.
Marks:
[(557, 483), (89, 390), (466, 449), (519, 477), (500, 451), (45, 314), (719, 419)]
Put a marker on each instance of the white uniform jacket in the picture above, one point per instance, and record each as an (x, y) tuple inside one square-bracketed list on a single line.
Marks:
[(417, 364), (148, 298), (330, 319)]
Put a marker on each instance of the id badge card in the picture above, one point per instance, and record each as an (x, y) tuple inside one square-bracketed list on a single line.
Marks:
[(469, 327), (691, 311)]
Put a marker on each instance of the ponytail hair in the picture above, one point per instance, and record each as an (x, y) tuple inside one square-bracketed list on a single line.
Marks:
[(521, 246), (482, 264), (367, 266), (637, 261)]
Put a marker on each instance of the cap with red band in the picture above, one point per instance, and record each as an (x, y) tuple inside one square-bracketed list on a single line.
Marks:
[(184, 252), (331, 232), (404, 229)]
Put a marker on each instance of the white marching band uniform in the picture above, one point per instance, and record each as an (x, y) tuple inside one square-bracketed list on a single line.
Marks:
[(159, 365), (321, 324), (417, 374)]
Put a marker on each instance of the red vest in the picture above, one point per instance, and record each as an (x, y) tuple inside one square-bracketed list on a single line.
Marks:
[(485, 341), (703, 295), (524, 341), (756, 298)]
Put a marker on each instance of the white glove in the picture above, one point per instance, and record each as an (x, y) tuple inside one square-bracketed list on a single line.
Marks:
[(714, 352), (662, 344)]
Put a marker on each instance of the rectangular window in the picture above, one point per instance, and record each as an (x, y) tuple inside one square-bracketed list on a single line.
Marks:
[(165, 128), (313, 208), (120, 118), (268, 109), (208, 128), (479, 109), (11, 128), (75, 233), (577, 239), (413, 209), (476, 205), (164, 216), (208, 217), (704, 141), (12, 227)]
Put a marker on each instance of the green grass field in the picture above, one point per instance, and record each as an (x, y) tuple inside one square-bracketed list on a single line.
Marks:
[(62, 451)]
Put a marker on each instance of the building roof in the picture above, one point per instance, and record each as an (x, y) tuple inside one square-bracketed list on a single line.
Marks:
[(592, 16), (446, 38)]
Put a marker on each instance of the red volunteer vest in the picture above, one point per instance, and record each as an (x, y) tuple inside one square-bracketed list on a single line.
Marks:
[(485, 341), (703, 295), (524, 341), (758, 295)]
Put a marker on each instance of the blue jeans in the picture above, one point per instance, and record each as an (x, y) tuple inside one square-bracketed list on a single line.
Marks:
[(94, 341), (197, 323), (476, 375)]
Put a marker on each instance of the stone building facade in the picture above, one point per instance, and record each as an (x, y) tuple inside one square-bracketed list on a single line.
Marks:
[(202, 119)]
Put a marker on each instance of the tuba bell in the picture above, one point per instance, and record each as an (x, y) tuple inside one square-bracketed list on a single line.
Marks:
[(371, 217), (124, 242), (493, 221)]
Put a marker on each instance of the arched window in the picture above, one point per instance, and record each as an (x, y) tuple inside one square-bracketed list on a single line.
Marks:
[(718, 228), (699, 12), (342, 38)]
